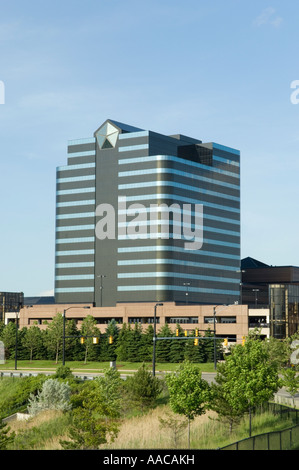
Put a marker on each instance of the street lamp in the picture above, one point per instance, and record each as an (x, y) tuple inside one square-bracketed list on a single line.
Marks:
[(154, 338), (16, 348), (187, 284), (256, 291), (241, 271), (101, 276), (63, 345)]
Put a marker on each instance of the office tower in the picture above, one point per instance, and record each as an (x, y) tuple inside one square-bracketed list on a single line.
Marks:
[(129, 202)]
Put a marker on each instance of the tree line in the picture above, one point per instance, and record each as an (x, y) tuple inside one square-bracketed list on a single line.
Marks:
[(128, 342)]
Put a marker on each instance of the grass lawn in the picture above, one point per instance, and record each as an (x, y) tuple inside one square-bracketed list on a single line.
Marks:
[(77, 366)]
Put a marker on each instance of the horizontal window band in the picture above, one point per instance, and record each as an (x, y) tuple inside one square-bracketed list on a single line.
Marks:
[(74, 265), (62, 192), (167, 235), (173, 171), (75, 252), (154, 158), (79, 277), (176, 288), (66, 290), (86, 202), (75, 227), (177, 275), (226, 161), (178, 250), (153, 184), (176, 198), (133, 148), (90, 153), (73, 179), (164, 261), (79, 166), (170, 247), (154, 223), (81, 215), (75, 240), (133, 135), (88, 140)]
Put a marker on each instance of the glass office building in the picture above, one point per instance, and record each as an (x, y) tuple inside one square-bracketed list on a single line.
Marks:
[(145, 217)]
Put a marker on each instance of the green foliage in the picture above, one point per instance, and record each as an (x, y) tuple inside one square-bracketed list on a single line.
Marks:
[(54, 395), (6, 438), (188, 392), (63, 372), (97, 408), (14, 393), (143, 388)]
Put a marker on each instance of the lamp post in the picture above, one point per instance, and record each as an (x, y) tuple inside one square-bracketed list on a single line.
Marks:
[(241, 271), (256, 291), (63, 341), (16, 349), (154, 338), (101, 276), (187, 284)]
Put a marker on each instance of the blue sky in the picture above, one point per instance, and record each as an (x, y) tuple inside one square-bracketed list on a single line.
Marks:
[(218, 71)]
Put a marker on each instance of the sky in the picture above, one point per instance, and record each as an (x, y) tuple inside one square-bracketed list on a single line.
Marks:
[(220, 71)]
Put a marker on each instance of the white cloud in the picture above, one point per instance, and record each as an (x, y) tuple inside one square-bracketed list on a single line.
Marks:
[(268, 16)]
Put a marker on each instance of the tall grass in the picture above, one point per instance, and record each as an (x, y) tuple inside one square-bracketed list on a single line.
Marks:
[(44, 431)]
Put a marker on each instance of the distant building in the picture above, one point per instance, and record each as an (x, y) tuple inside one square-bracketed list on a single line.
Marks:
[(10, 302), (124, 163), (276, 288)]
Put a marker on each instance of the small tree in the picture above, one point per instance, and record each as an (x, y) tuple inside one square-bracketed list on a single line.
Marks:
[(176, 425), (97, 409), (54, 336), (143, 387), (291, 382), (32, 340), (55, 395), (89, 330), (188, 392), (247, 378)]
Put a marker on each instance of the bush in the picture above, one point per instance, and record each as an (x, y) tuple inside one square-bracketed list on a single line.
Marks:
[(54, 395)]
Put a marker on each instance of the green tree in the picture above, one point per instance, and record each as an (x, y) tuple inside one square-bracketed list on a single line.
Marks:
[(145, 352), (9, 339), (54, 336), (32, 340), (95, 414), (143, 388), (195, 352), (188, 392), (121, 349), (134, 342), (108, 351), (177, 347), (247, 378), (89, 330), (291, 382), (163, 345)]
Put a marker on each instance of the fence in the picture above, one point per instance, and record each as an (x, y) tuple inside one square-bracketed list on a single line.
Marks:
[(286, 439)]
